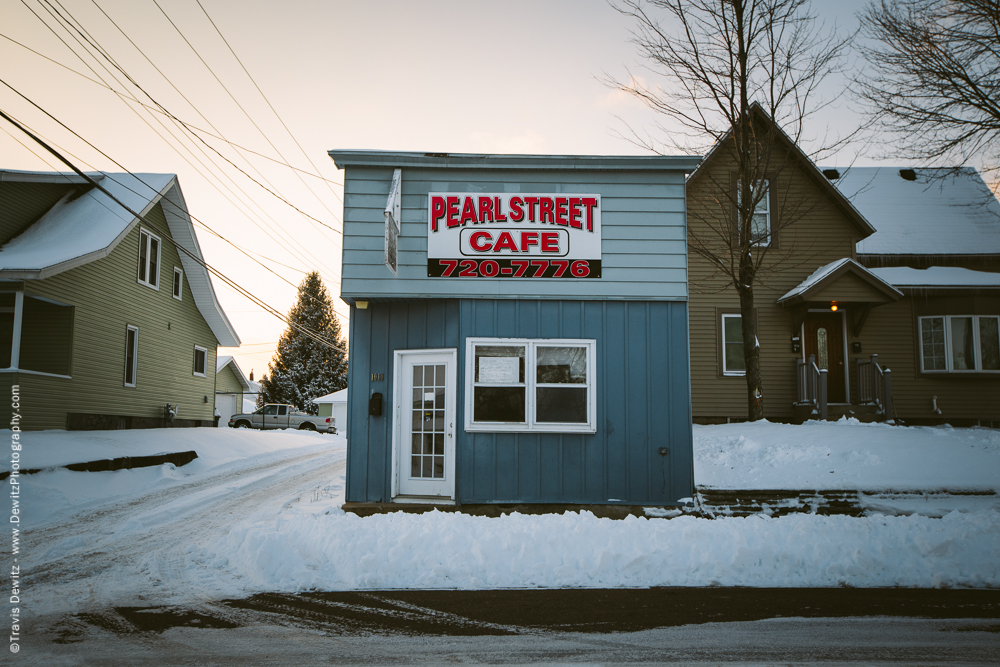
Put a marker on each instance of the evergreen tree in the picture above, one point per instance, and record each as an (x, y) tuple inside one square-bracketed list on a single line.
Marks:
[(304, 368)]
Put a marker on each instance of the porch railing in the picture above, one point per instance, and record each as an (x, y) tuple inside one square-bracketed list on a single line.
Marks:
[(875, 386), (811, 383)]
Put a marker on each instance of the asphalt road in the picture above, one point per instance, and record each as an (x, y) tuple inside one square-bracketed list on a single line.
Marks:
[(683, 626)]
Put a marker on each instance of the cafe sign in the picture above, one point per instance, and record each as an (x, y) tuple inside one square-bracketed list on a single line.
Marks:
[(513, 235)]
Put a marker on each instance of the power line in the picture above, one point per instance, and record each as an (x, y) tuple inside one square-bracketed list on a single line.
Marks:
[(78, 28), (275, 111), (233, 98), (274, 234), (123, 168), (187, 124), (315, 336)]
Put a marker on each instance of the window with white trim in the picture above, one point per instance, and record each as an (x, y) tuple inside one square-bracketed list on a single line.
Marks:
[(960, 344), (760, 224), (149, 259), (516, 384), (200, 360), (733, 358), (178, 283), (131, 354)]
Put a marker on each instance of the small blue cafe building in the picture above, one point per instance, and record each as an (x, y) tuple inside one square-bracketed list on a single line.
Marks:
[(519, 328)]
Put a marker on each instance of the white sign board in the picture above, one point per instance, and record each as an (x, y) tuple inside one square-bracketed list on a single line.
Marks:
[(499, 370), (393, 209), (513, 235)]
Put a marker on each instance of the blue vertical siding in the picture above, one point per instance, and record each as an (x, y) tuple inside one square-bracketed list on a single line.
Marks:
[(643, 401)]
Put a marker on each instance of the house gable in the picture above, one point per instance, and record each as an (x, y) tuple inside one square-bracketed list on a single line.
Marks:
[(816, 226)]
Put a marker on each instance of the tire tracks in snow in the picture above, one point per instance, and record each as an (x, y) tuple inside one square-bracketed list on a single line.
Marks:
[(82, 561)]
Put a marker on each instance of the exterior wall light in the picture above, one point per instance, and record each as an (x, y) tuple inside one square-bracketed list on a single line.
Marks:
[(363, 305), (833, 306)]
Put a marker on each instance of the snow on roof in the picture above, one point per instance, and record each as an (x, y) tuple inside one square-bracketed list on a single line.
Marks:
[(223, 361), (58, 241), (936, 214), (937, 276), (335, 397), (816, 276), (80, 229)]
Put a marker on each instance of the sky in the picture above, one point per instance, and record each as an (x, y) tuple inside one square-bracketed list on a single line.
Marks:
[(287, 82)]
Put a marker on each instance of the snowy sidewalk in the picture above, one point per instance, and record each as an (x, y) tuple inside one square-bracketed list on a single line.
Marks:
[(259, 512)]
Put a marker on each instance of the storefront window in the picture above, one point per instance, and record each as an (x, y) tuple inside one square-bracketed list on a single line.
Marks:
[(530, 385)]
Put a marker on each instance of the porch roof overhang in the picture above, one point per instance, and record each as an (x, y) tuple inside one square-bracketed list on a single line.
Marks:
[(841, 281)]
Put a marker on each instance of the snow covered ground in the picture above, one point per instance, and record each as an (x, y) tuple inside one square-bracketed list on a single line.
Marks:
[(847, 455), (262, 512)]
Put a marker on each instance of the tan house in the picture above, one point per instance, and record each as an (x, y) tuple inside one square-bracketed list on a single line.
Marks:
[(106, 320), (897, 263)]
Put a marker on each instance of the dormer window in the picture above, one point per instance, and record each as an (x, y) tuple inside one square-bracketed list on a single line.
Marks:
[(149, 259)]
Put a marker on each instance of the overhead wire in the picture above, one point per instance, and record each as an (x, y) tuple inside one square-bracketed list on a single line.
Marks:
[(152, 189), (274, 234), (271, 106), (233, 98), (269, 188), (312, 335), (187, 124)]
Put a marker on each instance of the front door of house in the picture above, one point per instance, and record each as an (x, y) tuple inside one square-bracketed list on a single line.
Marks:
[(425, 423), (824, 338)]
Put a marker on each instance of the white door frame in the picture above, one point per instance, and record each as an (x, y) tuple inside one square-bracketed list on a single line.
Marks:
[(401, 432)]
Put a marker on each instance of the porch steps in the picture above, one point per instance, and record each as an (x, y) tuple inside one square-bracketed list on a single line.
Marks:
[(863, 413), (719, 503), (776, 502)]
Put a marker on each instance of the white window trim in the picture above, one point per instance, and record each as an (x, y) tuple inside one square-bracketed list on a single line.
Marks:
[(766, 202), (194, 370), (532, 426), (159, 248), (180, 286), (949, 364), (722, 340), (135, 357)]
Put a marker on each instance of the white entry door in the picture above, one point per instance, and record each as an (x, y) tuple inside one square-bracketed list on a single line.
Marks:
[(424, 424)]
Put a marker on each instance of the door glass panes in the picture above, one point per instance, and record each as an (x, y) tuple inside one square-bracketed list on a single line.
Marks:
[(822, 348), (499, 384), (932, 343), (962, 346), (557, 400), (989, 343), (427, 424)]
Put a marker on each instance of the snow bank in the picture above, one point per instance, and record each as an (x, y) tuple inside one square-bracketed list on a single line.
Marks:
[(215, 446), (338, 551), (846, 455)]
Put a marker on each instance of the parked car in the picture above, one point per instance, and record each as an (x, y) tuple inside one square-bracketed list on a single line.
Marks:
[(279, 415)]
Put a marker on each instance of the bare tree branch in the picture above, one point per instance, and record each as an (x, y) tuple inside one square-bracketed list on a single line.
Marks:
[(934, 81), (726, 63)]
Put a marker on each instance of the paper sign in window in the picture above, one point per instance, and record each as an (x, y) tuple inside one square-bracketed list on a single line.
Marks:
[(499, 370)]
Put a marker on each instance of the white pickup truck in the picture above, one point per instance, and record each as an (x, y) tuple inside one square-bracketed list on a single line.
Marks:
[(279, 415)]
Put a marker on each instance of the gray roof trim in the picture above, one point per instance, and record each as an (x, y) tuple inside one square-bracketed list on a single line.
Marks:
[(61, 178), (195, 272), (398, 159)]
